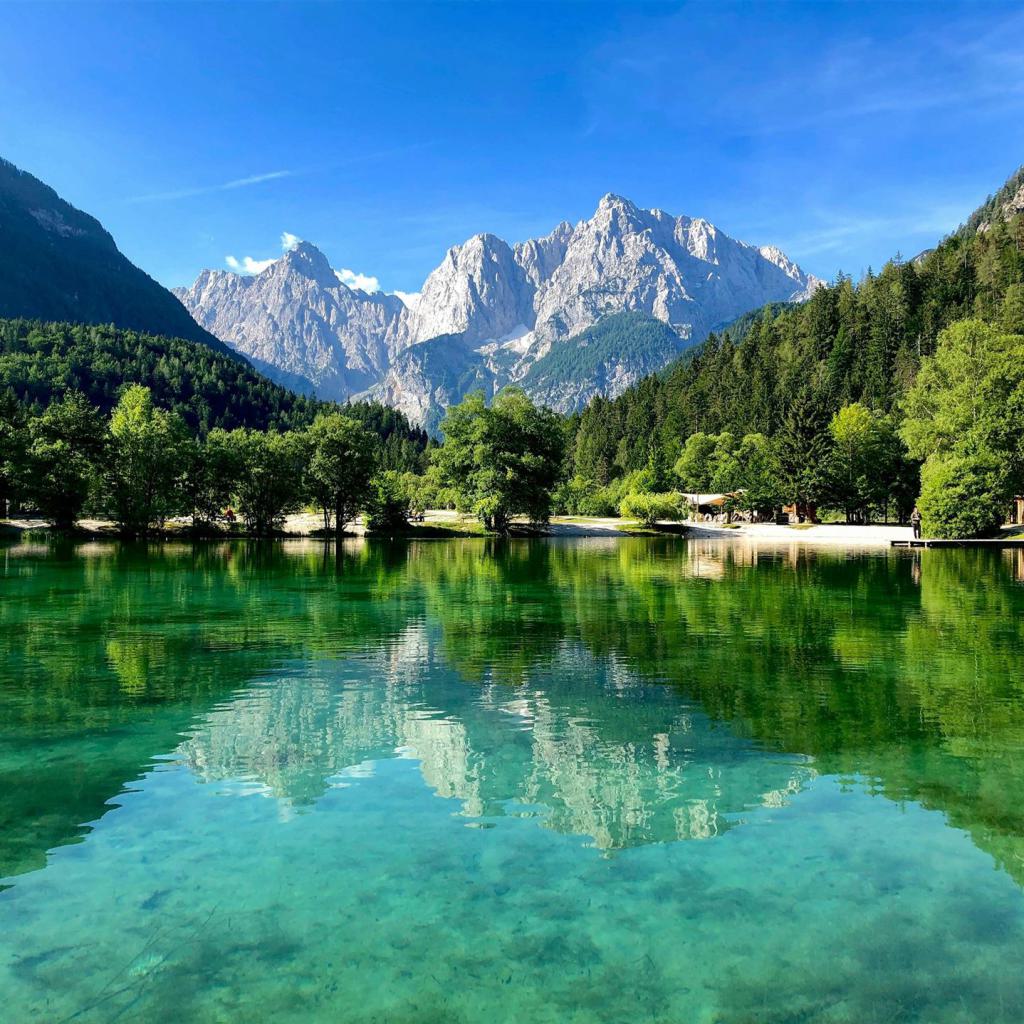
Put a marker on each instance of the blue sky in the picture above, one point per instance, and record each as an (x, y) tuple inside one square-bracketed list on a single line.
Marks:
[(385, 133)]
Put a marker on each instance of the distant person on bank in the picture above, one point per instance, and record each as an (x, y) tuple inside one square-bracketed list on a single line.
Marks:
[(915, 522)]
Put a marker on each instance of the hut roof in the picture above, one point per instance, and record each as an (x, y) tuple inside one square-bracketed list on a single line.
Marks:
[(710, 499)]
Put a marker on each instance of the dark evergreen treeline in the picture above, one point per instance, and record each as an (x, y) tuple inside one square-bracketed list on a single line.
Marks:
[(593, 356), (786, 373), (42, 362)]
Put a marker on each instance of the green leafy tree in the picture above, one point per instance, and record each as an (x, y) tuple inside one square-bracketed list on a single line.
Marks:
[(212, 471), (862, 445), (427, 490), (967, 394), (270, 475), (725, 475), (503, 460), (963, 413), (649, 508), (389, 502), (62, 459), (145, 462), (695, 466), (759, 474), (342, 462), (574, 495), (13, 441), (657, 475), (962, 496)]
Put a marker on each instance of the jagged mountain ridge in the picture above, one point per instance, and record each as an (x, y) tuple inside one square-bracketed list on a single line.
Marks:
[(499, 308), (297, 318), (682, 271)]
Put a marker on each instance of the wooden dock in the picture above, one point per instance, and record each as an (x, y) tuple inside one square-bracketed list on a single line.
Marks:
[(986, 542)]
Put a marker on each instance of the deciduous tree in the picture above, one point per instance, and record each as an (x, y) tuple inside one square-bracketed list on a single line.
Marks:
[(963, 414), (270, 475), (145, 464), (62, 459), (343, 457), (503, 460)]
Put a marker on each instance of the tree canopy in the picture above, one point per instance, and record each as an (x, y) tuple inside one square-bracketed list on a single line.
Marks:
[(501, 460), (146, 449), (342, 461), (962, 419)]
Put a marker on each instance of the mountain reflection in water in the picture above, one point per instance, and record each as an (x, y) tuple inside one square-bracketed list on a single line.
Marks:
[(628, 692), (459, 780), (586, 748)]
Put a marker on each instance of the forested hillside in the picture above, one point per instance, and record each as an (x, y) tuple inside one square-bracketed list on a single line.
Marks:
[(60, 264), (786, 372), (41, 362), (605, 358)]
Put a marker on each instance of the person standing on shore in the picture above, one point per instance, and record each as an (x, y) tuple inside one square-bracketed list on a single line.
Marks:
[(915, 522)]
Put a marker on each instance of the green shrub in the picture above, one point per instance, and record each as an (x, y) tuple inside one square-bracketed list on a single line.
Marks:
[(388, 506), (580, 496), (648, 509), (571, 495), (962, 496), (603, 502)]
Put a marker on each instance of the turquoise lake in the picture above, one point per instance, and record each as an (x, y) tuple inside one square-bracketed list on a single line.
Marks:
[(579, 780)]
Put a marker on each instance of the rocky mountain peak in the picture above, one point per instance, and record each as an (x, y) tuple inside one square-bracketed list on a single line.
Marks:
[(618, 215), (539, 257), (773, 254), (611, 201), (298, 321), (306, 259), (492, 312), (479, 292)]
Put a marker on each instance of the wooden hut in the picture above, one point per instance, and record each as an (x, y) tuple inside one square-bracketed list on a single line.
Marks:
[(706, 504), (722, 507), (801, 512)]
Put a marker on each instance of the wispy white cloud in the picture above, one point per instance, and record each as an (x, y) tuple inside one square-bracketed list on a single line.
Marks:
[(202, 190), (248, 265), (364, 282), (255, 179), (855, 80)]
